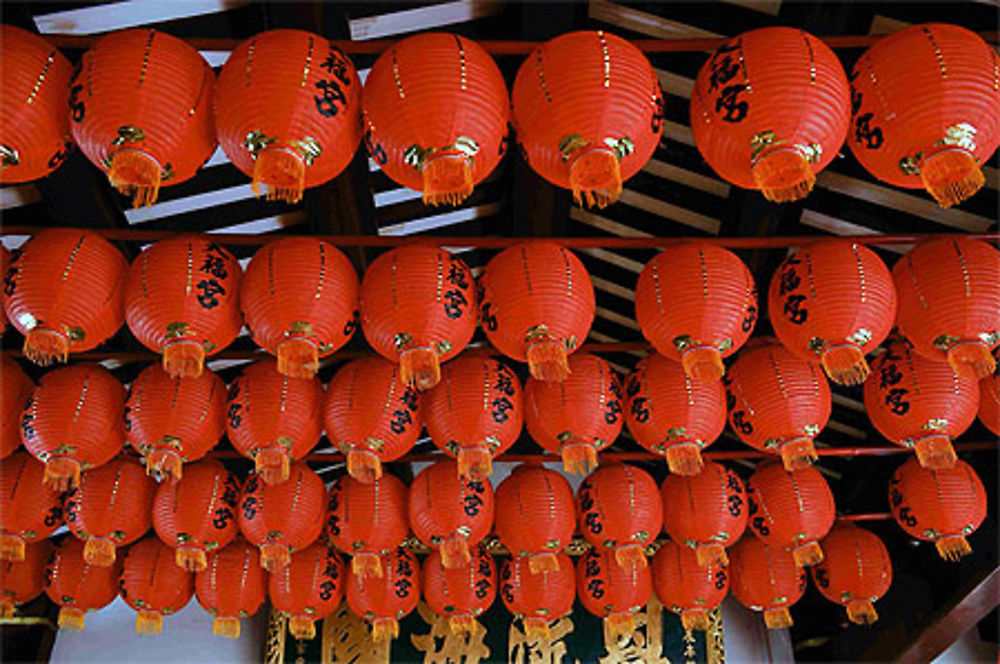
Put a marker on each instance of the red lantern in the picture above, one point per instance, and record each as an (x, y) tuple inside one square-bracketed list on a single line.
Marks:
[(989, 403), (73, 421), (153, 585), (182, 300), (537, 305), (5, 257), (385, 600), (696, 326), (534, 516), (33, 119), (367, 520), (63, 291), (769, 110), (110, 508), (15, 386), (538, 598), (23, 581), (299, 297), (450, 513), (460, 594), (685, 586), (949, 302), (141, 105), (197, 514), (706, 512), (831, 303), (778, 403), (578, 417), (76, 586), (475, 413), (282, 518), (791, 509), (288, 111), (232, 586), (938, 143), (418, 308), (857, 571), (588, 112), (672, 414), (611, 592), (921, 404), (172, 421), (308, 589), (941, 506), (273, 419), (765, 578), (29, 511), (619, 508), (436, 111)]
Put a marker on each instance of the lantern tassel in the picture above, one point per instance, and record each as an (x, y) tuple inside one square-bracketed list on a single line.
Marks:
[(226, 626), (164, 463), (6, 607), (845, 365), (695, 619), (183, 359), (11, 547), (935, 452), (72, 618), (808, 554), (61, 474), (274, 556), (136, 174), (475, 463), (302, 628), (953, 548), (542, 563), (420, 368), (463, 623), (99, 552), (711, 555), (365, 564), (951, 176), (778, 618), (43, 346), (972, 360), (798, 453), (684, 459), (861, 612), (578, 458), (272, 464), (455, 552), (619, 624), (548, 360), (283, 174), (191, 558), (384, 629), (298, 358), (149, 622), (630, 556), (447, 180), (537, 630), (703, 363), (783, 175), (364, 466), (596, 178)]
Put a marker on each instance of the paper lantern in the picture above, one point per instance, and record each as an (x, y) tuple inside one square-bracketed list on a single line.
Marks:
[(832, 302), (538, 599), (63, 291), (436, 112), (619, 508), (578, 417), (989, 403), (232, 586), (22, 581), (382, 601), (537, 305), (29, 511), (76, 586), (460, 594), (856, 573), (535, 516), (611, 592), (696, 326), (923, 107), (308, 589), (366, 520), (766, 579), (5, 257), (153, 585), (15, 386), (141, 110), (288, 111), (687, 588), (300, 298)]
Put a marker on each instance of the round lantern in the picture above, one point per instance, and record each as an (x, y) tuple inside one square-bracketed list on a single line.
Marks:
[(282, 518), (384, 600), (141, 110), (939, 142), (273, 419), (686, 587), (22, 581), (153, 585), (369, 436), (832, 302), (538, 598), (232, 586), (706, 512), (769, 110), (778, 403), (765, 578), (537, 305), (949, 302), (73, 421), (460, 594), (33, 119), (288, 111), (475, 413), (791, 509), (76, 586), (619, 508), (920, 404), (857, 571), (450, 513), (63, 291), (367, 520), (109, 508), (197, 514), (418, 308), (436, 111), (672, 414), (15, 386), (171, 421), (611, 592), (29, 511), (182, 300), (534, 516), (308, 589), (578, 417), (989, 403), (299, 297), (941, 506), (587, 112)]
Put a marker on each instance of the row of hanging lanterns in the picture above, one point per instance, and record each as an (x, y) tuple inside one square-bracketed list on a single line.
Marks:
[(769, 109)]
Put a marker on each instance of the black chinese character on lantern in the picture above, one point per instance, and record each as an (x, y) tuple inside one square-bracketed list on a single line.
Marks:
[(500, 407), (326, 103), (454, 300), (336, 63), (457, 275), (794, 311), (864, 133), (735, 110), (505, 382), (214, 263), (640, 409), (896, 402), (208, 289)]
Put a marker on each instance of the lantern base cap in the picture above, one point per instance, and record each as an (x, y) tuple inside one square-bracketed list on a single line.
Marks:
[(619, 624), (72, 618), (595, 178), (136, 174), (778, 618), (972, 359), (302, 628), (537, 629), (578, 458), (99, 552), (272, 464), (783, 175), (703, 363), (298, 358), (420, 368), (44, 346), (6, 608), (283, 174), (274, 556), (12, 547), (861, 612), (711, 555), (61, 474), (695, 619), (184, 358), (226, 626), (384, 629), (541, 563), (935, 452), (455, 552), (364, 466), (190, 558), (684, 459), (845, 364), (953, 548), (447, 180), (808, 554), (630, 556), (475, 463), (798, 453), (366, 564), (548, 360), (164, 463), (464, 623), (149, 622), (951, 176)]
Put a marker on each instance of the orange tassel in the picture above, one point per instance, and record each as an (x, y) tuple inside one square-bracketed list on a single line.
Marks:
[(191, 558), (861, 612), (684, 459), (384, 629), (798, 453), (61, 474), (99, 552), (808, 554), (537, 629), (11, 547), (282, 172), (694, 619), (298, 358), (783, 175), (951, 176), (703, 363), (420, 368), (43, 346), (72, 618), (778, 618), (164, 462), (6, 607), (226, 626), (619, 624), (548, 360), (455, 552), (596, 178), (711, 555), (463, 623), (541, 563), (302, 628), (475, 463), (935, 452), (149, 622), (366, 565), (136, 174), (972, 359), (364, 465), (952, 548), (630, 556), (183, 359), (274, 556), (578, 458), (447, 180), (845, 365), (272, 464)]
